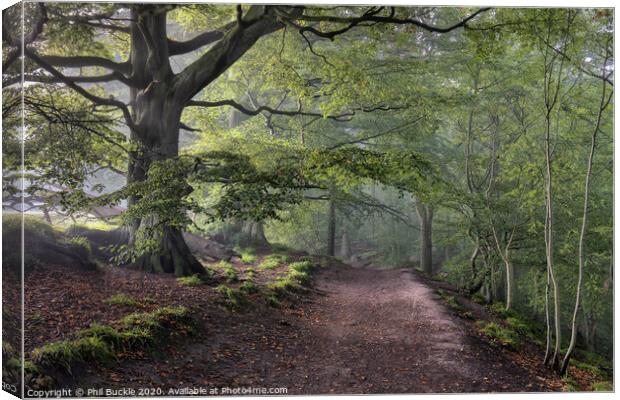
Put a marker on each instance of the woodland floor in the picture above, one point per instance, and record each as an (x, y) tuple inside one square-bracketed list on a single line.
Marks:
[(357, 331)]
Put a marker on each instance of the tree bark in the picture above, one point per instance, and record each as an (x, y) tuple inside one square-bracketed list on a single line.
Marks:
[(582, 234), (157, 116), (331, 229), (345, 248), (425, 218)]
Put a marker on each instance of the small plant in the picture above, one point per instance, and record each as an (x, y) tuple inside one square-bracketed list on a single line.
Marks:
[(571, 384), (301, 266), (233, 298), (248, 256), (273, 261), (191, 281), (67, 353), (498, 333), (100, 343), (273, 301), (228, 270), (250, 273), (121, 299), (283, 286), (519, 326), (603, 386), (249, 287)]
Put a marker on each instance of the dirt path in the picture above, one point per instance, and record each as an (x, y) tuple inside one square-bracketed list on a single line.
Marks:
[(364, 331)]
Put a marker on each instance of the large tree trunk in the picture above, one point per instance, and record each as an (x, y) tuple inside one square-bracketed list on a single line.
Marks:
[(254, 234), (425, 218), (157, 116)]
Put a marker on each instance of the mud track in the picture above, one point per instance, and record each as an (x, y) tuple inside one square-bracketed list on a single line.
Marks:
[(361, 331)]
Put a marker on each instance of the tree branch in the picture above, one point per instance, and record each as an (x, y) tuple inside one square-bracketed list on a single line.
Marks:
[(340, 117), (258, 21), (67, 81), (115, 76), (87, 61), (203, 39), (371, 15)]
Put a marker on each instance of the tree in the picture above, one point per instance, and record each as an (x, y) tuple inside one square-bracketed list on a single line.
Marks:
[(158, 95)]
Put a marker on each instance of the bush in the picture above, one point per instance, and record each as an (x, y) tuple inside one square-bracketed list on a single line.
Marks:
[(121, 299), (191, 281)]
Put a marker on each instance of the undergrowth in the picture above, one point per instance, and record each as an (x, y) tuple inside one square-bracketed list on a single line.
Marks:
[(296, 279), (101, 343), (498, 334), (273, 261), (248, 255), (228, 270), (192, 281), (231, 298), (121, 299)]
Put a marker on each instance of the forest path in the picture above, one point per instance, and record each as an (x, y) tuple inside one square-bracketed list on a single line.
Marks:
[(384, 331), (362, 331)]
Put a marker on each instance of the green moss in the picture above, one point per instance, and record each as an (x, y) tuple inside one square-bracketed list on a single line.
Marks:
[(498, 333), (603, 386), (164, 316), (191, 281), (69, 352), (121, 299)]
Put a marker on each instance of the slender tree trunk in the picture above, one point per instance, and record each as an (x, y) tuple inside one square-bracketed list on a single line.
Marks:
[(549, 333), (345, 247), (582, 234), (549, 253), (509, 281), (46, 214), (425, 218), (331, 229)]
